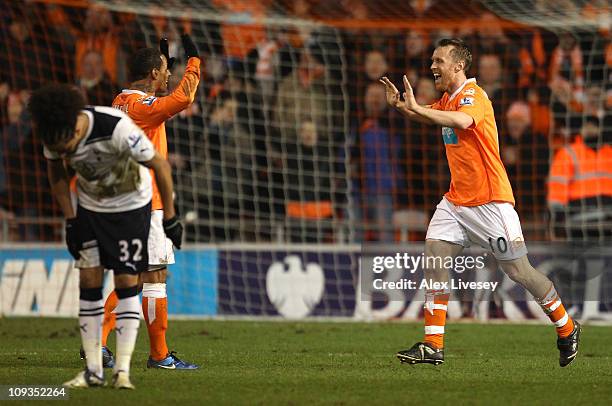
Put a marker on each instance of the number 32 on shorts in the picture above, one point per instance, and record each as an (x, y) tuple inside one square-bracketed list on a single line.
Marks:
[(124, 248)]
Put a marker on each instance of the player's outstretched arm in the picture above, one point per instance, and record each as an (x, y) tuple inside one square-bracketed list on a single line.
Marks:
[(162, 108), (60, 186), (163, 176), (394, 100), (453, 119)]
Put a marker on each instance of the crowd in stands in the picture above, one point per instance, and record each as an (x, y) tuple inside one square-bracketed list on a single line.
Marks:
[(290, 137)]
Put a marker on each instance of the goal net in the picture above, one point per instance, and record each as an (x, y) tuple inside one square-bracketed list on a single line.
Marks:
[(290, 140)]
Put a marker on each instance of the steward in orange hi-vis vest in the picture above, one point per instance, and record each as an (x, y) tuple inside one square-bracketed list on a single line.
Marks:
[(579, 172)]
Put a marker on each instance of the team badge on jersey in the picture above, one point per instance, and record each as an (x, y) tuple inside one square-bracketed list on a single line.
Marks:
[(134, 139), (466, 101), (149, 100), (449, 136)]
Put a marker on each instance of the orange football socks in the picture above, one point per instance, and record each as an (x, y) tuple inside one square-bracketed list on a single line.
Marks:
[(108, 324), (552, 306), (436, 305), (155, 310)]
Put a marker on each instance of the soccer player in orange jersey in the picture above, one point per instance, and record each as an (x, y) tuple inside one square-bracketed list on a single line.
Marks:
[(479, 207), (149, 72)]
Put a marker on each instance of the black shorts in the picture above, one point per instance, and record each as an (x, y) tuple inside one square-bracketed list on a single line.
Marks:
[(116, 241)]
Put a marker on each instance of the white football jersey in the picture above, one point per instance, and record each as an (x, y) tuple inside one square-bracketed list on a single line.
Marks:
[(109, 176)]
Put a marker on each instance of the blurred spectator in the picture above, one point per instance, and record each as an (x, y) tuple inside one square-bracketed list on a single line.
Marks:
[(221, 176), (421, 7), (307, 96), (94, 81), (539, 106), (580, 186), (490, 35), (594, 101), (309, 101), (166, 28), (270, 62), (100, 34), (532, 58), (491, 39), (490, 75), (566, 74), (525, 156), (375, 65), (415, 52), (491, 79), (425, 91), (378, 157), (308, 174), (26, 57), (245, 30), (26, 191), (254, 123)]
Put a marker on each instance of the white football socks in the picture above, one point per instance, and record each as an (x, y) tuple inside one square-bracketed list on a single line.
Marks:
[(126, 327)]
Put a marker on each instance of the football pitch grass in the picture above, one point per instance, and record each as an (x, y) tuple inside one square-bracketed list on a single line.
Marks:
[(249, 362)]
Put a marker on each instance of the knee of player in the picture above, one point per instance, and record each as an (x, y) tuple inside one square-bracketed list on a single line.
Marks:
[(155, 275), (123, 281), (91, 278)]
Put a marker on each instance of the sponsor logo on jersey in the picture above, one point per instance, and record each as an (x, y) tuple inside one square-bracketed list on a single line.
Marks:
[(466, 101), (449, 136)]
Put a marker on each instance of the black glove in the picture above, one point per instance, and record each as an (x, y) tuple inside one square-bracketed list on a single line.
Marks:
[(174, 231), (71, 238), (163, 48), (191, 51)]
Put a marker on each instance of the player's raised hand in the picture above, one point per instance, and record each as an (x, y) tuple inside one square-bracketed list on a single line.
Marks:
[(409, 99), (191, 50), (393, 95), (163, 48)]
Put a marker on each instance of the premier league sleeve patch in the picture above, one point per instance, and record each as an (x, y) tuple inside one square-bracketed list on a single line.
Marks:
[(466, 101), (149, 100)]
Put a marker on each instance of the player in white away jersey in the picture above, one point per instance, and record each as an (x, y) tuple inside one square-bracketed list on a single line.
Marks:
[(110, 228)]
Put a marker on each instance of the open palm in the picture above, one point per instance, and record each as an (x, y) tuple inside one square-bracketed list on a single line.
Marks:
[(393, 95)]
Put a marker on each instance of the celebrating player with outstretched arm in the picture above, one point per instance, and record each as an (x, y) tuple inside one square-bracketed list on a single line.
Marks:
[(110, 228), (479, 207), (149, 72)]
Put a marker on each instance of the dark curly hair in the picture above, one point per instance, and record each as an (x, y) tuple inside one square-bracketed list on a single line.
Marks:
[(143, 62), (54, 109), (460, 51)]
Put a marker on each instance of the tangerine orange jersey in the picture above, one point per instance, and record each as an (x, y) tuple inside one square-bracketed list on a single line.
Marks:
[(150, 112), (478, 175)]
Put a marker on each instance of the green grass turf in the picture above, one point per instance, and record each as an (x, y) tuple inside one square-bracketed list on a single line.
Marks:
[(332, 363)]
